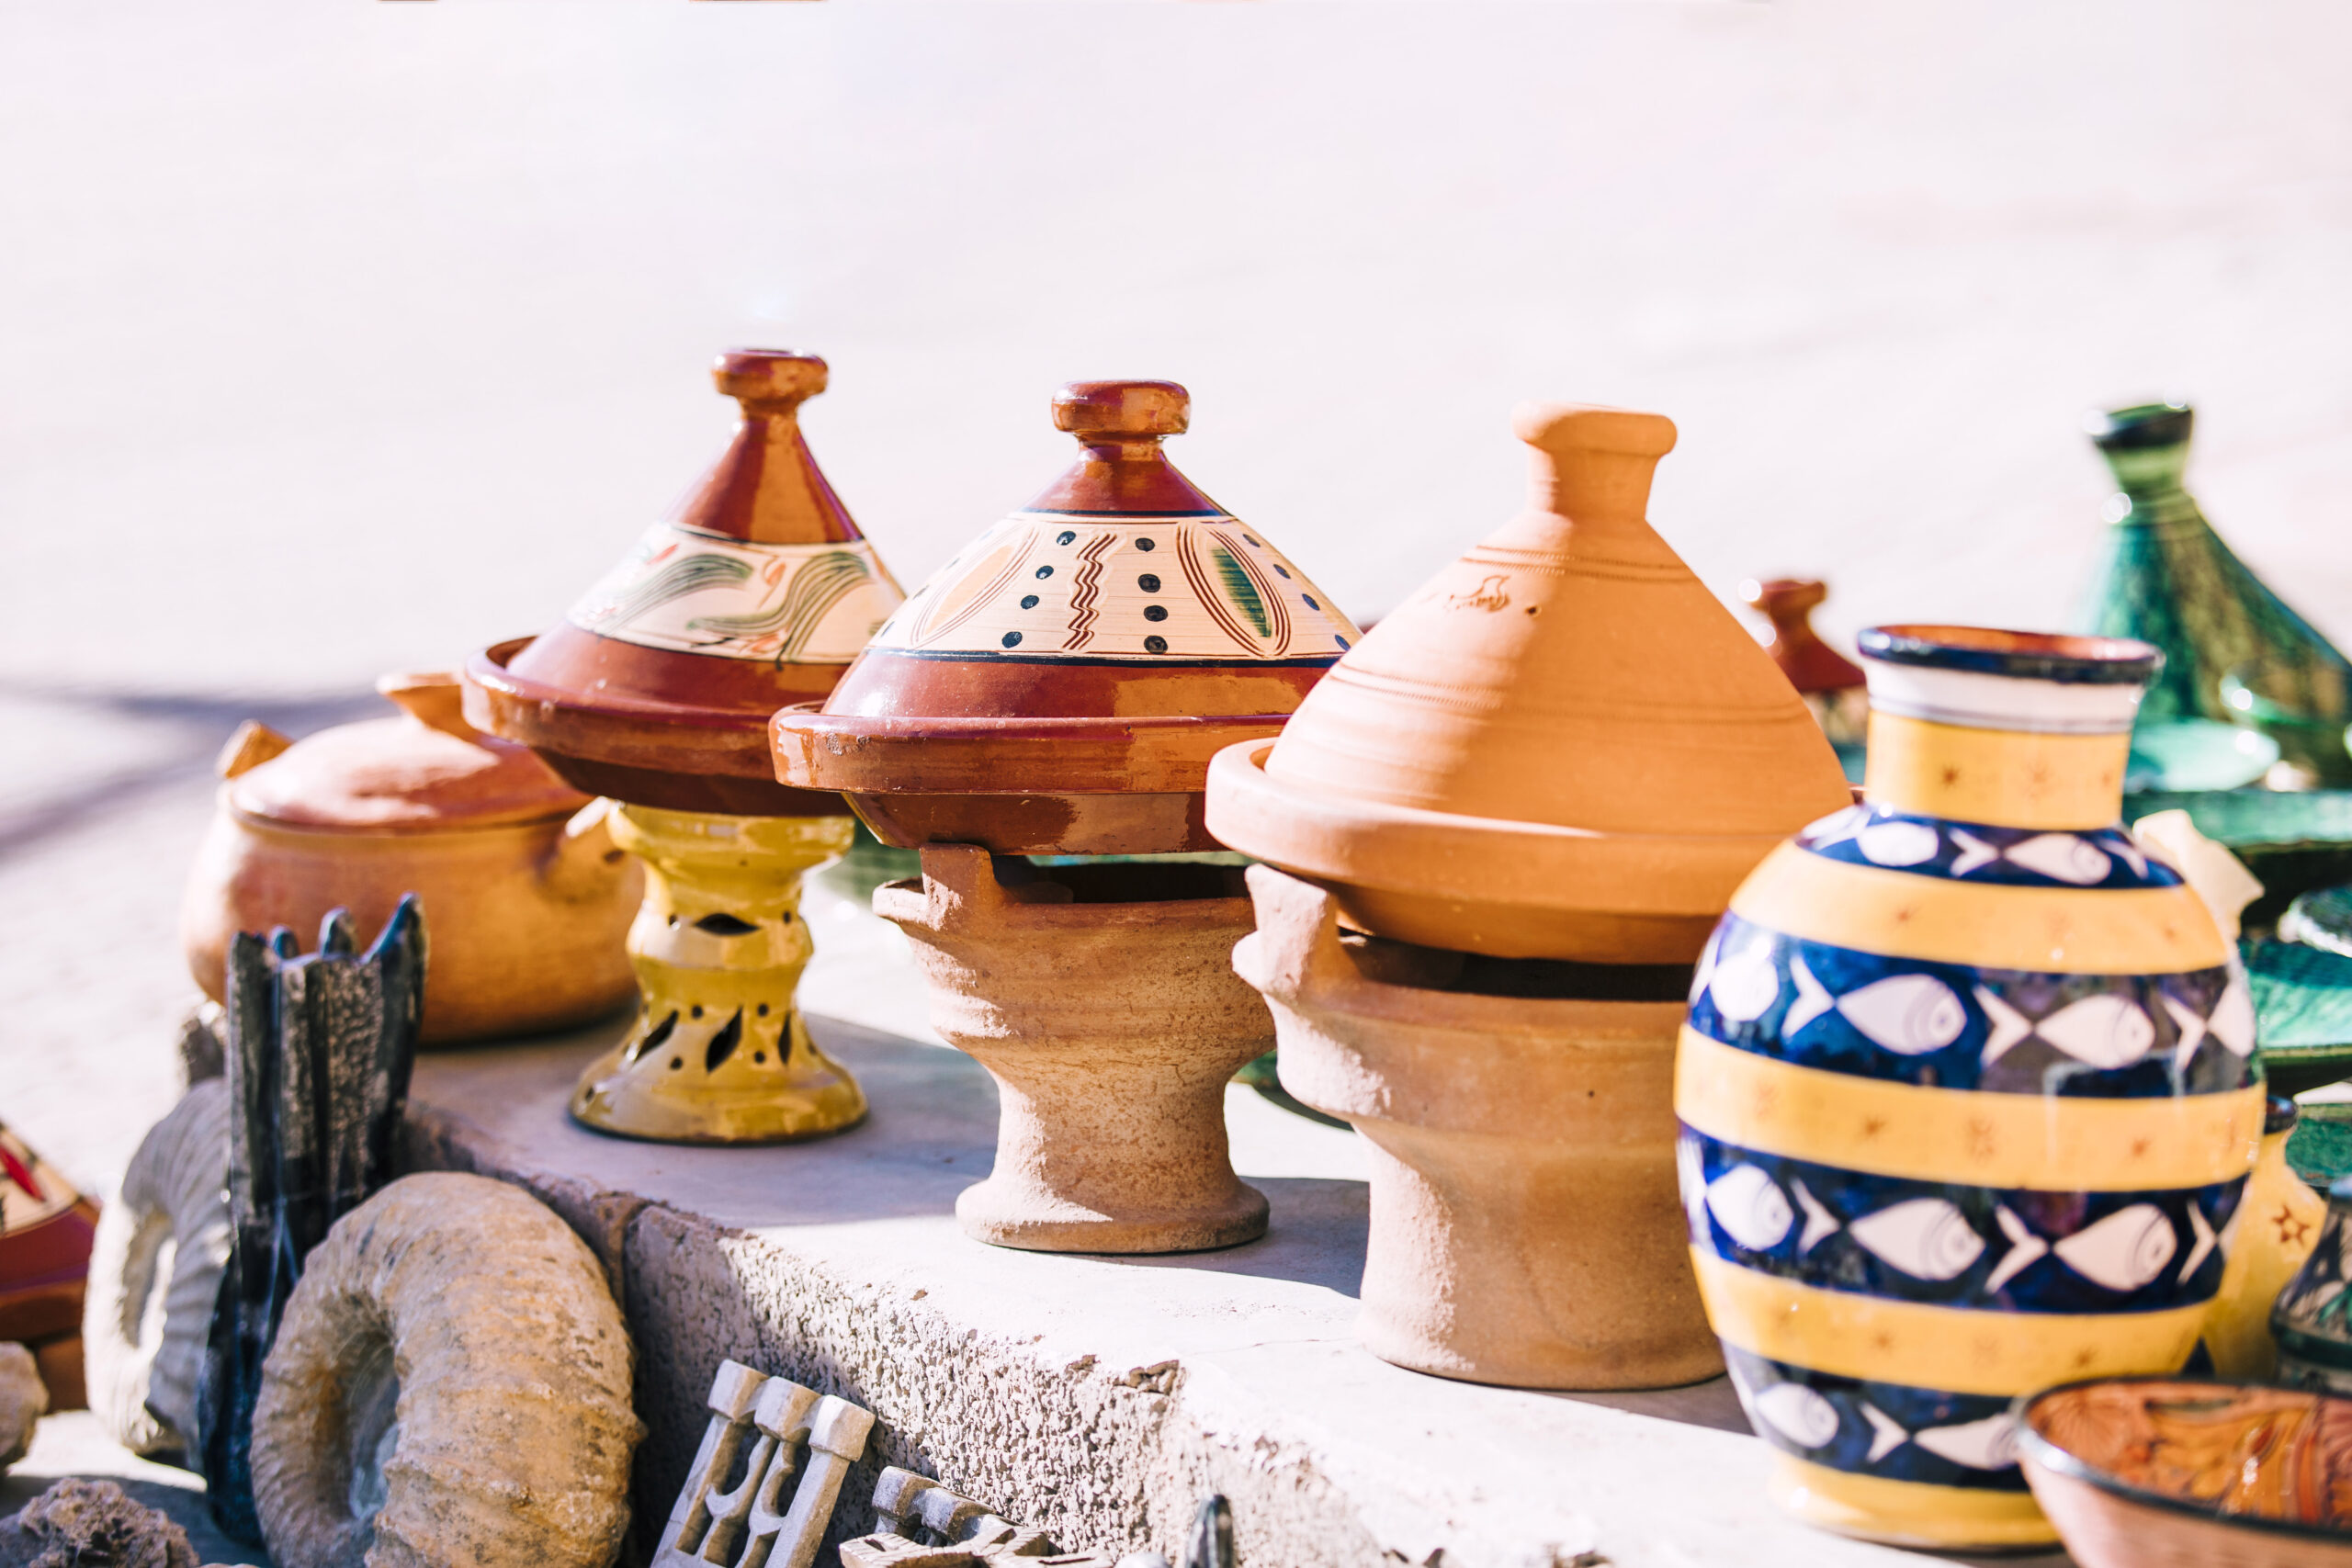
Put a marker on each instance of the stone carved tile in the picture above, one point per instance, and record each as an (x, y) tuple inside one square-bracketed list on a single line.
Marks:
[(767, 1519)]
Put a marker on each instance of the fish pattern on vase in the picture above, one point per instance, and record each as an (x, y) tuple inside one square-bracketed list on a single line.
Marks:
[(1968, 1094)]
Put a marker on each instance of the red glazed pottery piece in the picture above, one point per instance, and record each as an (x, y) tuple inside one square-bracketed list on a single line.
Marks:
[(1060, 685), (1563, 747), (753, 594), (2192, 1472), (46, 1230), (1811, 664)]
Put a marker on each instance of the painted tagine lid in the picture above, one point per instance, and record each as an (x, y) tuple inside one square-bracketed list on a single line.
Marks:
[(1060, 684), (754, 595), (424, 771), (1563, 747)]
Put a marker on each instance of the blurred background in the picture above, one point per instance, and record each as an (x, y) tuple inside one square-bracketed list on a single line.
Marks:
[(345, 337)]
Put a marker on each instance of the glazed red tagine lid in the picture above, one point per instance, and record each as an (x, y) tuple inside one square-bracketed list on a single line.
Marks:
[(1061, 683), (755, 593), (1563, 747)]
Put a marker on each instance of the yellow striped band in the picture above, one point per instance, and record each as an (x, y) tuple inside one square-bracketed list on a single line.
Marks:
[(2045, 1143), (1906, 1512), (2073, 930), (2002, 778), (1948, 1348)]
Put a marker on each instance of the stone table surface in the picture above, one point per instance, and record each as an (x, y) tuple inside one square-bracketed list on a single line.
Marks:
[(1271, 1380)]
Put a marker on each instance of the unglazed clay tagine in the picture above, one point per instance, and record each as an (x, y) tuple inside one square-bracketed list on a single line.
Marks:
[(754, 595), (2192, 1472), (529, 896), (1061, 683), (1968, 1090), (1563, 747), (1831, 684)]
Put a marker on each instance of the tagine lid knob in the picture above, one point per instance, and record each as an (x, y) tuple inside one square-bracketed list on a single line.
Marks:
[(754, 593), (1103, 639)]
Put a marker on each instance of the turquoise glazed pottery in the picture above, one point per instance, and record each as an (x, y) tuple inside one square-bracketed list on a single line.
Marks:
[(2235, 654), (1968, 1093)]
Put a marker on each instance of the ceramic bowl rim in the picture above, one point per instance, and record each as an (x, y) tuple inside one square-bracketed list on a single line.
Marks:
[(2042, 1451), (2065, 657)]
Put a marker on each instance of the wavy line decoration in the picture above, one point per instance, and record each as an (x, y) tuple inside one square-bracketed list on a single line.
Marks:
[(1087, 587), (687, 574), (822, 581)]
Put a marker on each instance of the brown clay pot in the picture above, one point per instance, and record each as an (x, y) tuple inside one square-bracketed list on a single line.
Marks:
[(1061, 683), (755, 593), (1102, 1000), (1563, 747), (530, 898), (1526, 1229)]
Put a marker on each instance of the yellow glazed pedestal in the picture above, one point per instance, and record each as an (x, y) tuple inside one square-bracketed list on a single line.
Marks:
[(719, 1054), (1968, 1095)]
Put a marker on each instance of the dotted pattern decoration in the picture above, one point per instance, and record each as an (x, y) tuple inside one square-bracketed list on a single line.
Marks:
[(1045, 586)]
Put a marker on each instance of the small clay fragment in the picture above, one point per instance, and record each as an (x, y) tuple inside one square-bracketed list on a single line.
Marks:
[(450, 1384), (92, 1523)]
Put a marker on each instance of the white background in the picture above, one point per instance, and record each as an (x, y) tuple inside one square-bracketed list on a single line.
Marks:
[(338, 335)]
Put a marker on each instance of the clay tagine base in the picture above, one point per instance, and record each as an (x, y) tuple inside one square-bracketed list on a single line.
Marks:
[(1102, 1000), (719, 1054), (1526, 1229)]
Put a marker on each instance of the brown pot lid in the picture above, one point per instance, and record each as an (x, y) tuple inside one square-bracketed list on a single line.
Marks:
[(1811, 664), (1108, 637), (424, 771), (1568, 680), (755, 593)]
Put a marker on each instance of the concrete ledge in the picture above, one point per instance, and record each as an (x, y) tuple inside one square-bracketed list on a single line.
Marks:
[(1097, 1397)]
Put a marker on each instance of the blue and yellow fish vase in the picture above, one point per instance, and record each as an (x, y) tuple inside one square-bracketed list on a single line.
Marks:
[(1968, 1093)]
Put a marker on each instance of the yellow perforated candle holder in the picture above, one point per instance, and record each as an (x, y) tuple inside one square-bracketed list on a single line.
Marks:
[(719, 1054)]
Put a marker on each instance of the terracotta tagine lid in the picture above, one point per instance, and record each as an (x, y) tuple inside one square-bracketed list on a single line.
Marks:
[(424, 771), (1563, 747), (1060, 684), (753, 594)]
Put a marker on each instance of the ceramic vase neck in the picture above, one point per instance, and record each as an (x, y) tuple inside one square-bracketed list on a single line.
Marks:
[(2008, 730)]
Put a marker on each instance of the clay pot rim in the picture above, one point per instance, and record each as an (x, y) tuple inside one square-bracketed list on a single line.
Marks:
[(1484, 860), (1218, 913), (488, 670), (413, 829), (645, 735), (2065, 658), (2138, 427), (1151, 754), (2041, 1452), (1620, 1024)]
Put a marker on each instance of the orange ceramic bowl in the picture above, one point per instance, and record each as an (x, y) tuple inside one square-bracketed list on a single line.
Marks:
[(2192, 1472)]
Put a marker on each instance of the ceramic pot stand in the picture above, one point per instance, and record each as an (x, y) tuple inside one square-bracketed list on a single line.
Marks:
[(1102, 1000), (719, 1052), (1524, 1222)]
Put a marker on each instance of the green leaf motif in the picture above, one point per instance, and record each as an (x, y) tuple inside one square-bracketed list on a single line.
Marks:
[(1240, 589)]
